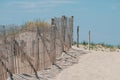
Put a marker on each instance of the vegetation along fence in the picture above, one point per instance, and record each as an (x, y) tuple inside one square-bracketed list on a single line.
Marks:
[(33, 46)]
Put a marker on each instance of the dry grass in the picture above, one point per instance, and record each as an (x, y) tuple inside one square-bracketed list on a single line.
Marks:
[(13, 30), (99, 46)]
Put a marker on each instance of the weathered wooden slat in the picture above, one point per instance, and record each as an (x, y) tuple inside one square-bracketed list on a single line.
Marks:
[(21, 55)]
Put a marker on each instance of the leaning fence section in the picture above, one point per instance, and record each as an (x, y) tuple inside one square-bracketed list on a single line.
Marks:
[(29, 50)]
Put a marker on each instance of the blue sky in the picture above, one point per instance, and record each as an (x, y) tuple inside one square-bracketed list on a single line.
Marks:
[(102, 17)]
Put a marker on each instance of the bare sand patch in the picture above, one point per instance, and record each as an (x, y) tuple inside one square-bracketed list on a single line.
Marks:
[(97, 65)]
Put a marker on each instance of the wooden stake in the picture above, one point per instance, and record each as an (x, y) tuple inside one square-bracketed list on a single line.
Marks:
[(77, 36), (89, 40)]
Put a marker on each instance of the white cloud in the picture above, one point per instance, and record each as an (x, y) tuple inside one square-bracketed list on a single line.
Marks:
[(63, 2), (36, 6), (39, 4), (115, 6)]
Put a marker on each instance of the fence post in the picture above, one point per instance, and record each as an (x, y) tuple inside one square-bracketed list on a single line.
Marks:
[(37, 47), (77, 36), (72, 18), (89, 37), (4, 34), (53, 38), (62, 32)]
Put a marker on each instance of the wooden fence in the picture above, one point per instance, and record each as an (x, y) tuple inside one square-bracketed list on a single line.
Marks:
[(33, 50)]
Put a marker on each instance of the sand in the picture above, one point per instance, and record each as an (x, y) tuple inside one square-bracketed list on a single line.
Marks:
[(81, 64), (66, 60), (96, 65)]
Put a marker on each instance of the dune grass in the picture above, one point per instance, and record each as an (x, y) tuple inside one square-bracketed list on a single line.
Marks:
[(14, 29), (96, 46)]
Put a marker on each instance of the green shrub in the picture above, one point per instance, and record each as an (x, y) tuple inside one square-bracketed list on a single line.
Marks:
[(118, 46), (74, 42), (84, 43)]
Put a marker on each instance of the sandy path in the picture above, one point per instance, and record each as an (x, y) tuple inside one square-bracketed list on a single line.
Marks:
[(94, 66)]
